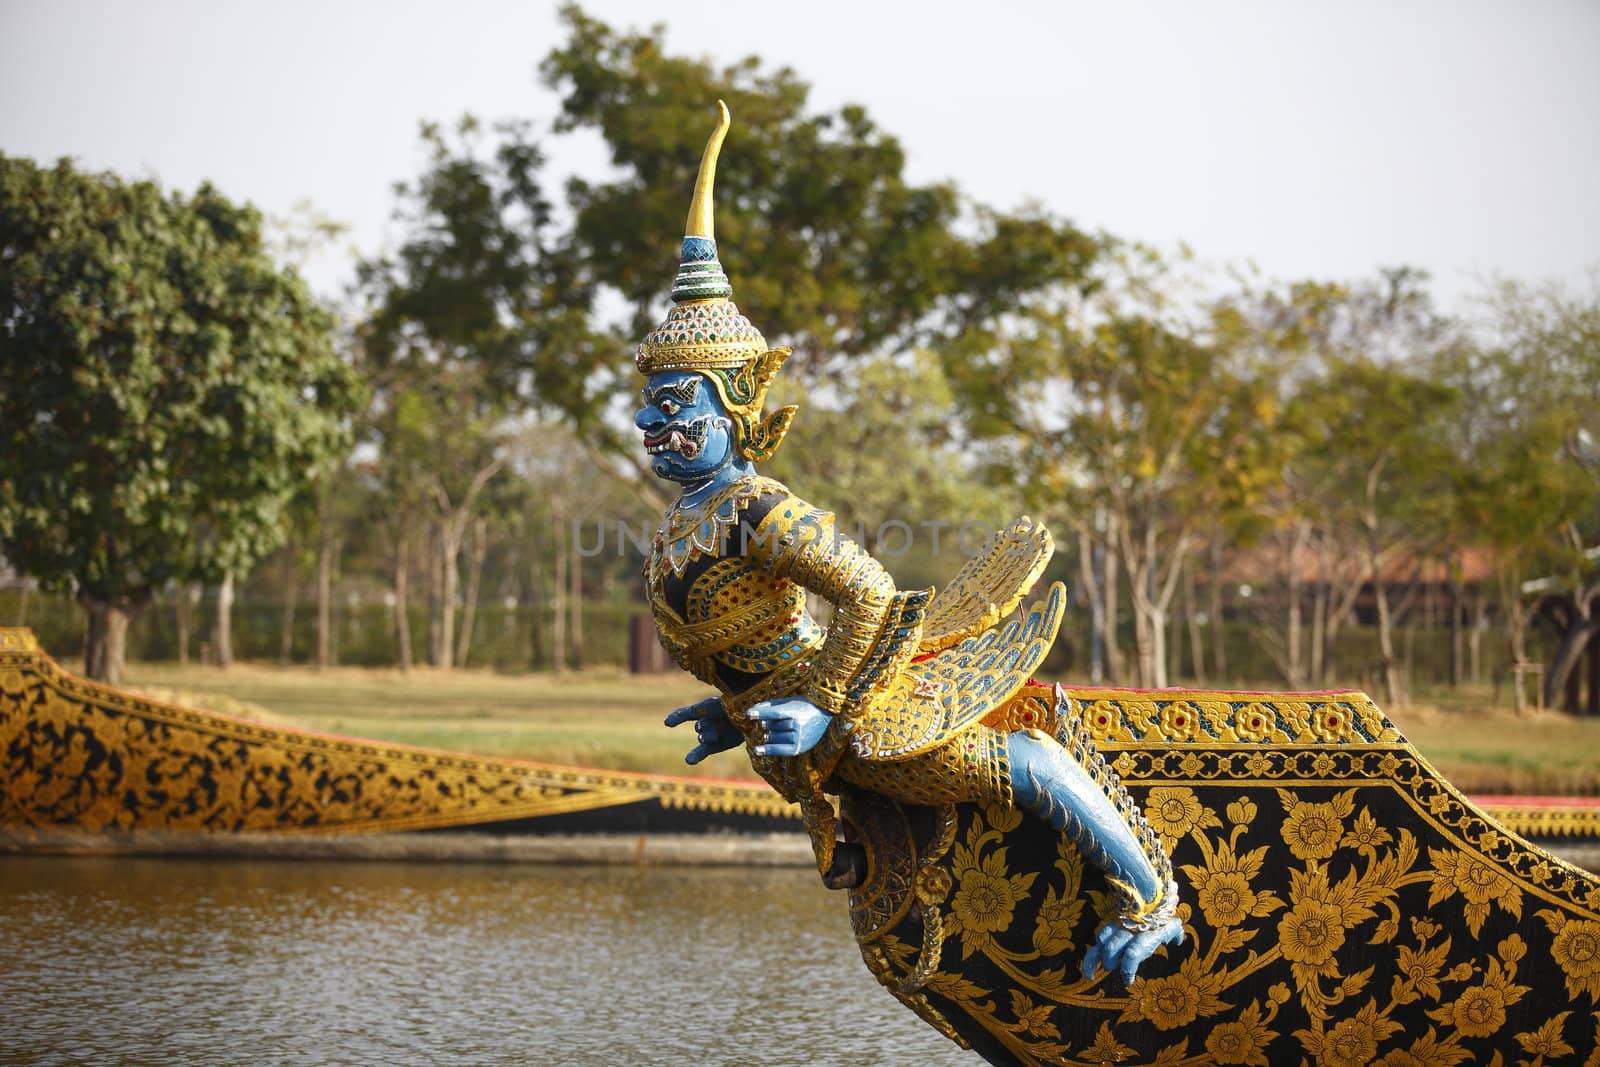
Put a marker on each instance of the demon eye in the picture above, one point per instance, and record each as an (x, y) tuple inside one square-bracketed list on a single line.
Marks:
[(684, 392), (669, 406)]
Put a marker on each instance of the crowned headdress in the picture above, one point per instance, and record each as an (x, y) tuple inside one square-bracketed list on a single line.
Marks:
[(705, 331)]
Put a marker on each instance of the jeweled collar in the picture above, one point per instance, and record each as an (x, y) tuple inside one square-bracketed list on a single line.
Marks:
[(688, 533)]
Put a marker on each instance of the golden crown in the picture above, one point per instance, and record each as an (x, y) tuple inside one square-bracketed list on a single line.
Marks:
[(705, 331)]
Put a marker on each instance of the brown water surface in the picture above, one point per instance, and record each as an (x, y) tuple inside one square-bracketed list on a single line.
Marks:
[(146, 961)]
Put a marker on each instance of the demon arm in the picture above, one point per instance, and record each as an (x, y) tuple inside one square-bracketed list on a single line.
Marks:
[(872, 628)]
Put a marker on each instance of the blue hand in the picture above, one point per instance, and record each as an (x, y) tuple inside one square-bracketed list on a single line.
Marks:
[(713, 729), (794, 726), (1117, 948)]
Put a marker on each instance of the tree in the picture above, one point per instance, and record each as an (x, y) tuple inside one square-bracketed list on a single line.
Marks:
[(1377, 449), (459, 314), (439, 447), (1532, 489), (1302, 331), (880, 446), (164, 387), (1133, 426), (1373, 472), (831, 250)]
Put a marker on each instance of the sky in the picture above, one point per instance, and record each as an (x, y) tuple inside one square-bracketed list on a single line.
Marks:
[(1308, 140)]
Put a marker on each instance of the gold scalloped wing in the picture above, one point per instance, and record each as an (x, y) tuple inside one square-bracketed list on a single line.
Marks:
[(989, 586), (936, 698)]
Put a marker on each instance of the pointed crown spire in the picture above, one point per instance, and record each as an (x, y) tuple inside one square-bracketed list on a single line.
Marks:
[(705, 331), (705, 328)]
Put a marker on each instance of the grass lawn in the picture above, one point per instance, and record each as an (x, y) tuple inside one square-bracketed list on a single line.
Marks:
[(597, 718), (608, 718), (1483, 748)]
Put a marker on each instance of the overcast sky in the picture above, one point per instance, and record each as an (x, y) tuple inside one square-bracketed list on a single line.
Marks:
[(1314, 140)]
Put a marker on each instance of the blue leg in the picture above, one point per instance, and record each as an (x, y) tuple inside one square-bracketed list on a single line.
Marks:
[(1100, 818)]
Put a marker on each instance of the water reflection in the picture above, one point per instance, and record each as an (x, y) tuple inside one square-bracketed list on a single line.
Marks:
[(138, 961)]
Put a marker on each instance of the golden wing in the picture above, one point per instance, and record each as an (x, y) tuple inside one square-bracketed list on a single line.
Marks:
[(988, 586), (935, 698)]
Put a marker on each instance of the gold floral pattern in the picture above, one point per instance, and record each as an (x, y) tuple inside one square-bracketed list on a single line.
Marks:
[(1224, 885), (1169, 1001), (1341, 906), (1174, 811), (1311, 933), (1313, 831), (1331, 722), (1547, 1040), (1225, 897), (1256, 722), (78, 755), (986, 890), (1366, 836), (1351, 1042), (1242, 1040), (1104, 719), (1478, 884), (986, 897), (1179, 721), (1576, 950), (1251, 718), (1480, 1010)]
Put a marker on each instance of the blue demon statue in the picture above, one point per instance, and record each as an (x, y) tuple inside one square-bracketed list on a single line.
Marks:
[(904, 695)]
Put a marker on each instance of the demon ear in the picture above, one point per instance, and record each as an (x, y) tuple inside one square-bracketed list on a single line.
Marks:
[(759, 439), (766, 368)]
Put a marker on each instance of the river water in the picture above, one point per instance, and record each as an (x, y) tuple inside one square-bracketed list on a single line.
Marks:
[(147, 961)]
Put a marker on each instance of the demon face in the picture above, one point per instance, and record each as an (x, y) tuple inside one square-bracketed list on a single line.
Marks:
[(687, 432)]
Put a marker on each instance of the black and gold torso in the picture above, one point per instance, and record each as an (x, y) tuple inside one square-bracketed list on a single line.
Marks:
[(722, 613), (900, 671)]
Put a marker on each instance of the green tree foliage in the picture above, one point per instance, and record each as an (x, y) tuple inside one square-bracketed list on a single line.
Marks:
[(164, 387), (1130, 424), (1318, 337), (881, 446), (1375, 448), (480, 277), (438, 454), (459, 314), (1532, 489), (830, 249)]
